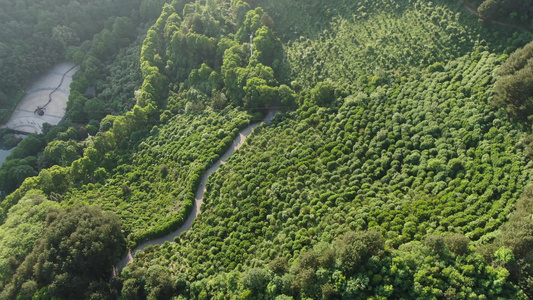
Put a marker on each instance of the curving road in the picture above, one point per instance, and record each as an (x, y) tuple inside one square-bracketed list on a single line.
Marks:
[(237, 143)]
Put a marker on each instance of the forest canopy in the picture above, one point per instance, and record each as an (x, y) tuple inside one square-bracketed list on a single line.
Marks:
[(517, 11), (36, 35), (514, 87), (396, 164), (74, 256)]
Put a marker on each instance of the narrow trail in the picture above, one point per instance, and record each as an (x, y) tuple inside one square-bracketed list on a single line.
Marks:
[(474, 11), (199, 197), (470, 8)]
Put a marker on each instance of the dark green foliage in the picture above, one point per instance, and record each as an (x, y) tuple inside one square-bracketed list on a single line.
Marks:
[(116, 96), (74, 256), (397, 156), (457, 243), (355, 248), (516, 11), (35, 35), (514, 88), (436, 67), (278, 265), (372, 188), (9, 140), (255, 279), (29, 146), (323, 94)]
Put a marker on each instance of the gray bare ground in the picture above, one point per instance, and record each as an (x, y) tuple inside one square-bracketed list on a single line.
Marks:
[(24, 117)]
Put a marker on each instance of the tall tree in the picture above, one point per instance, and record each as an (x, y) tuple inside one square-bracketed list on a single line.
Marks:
[(74, 257)]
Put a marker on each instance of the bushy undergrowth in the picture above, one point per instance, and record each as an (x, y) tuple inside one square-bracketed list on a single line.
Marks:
[(387, 174), (412, 159), (422, 154), (385, 41), (152, 187)]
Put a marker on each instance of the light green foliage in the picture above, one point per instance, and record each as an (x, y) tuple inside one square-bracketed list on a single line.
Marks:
[(266, 44), (151, 201), (381, 42), (102, 157), (24, 225), (504, 255), (394, 169), (60, 153), (202, 56), (72, 258), (251, 24), (383, 145)]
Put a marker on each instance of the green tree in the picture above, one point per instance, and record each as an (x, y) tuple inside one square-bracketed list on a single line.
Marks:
[(13, 172), (80, 246), (151, 9), (287, 96), (65, 36), (94, 108), (30, 146), (258, 94), (323, 93), (488, 9), (354, 248), (514, 88), (24, 225), (59, 153), (266, 45), (255, 279)]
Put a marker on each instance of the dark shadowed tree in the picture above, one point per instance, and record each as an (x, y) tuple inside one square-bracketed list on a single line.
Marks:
[(74, 257)]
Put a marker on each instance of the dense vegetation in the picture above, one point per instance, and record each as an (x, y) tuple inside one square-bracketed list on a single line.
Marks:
[(388, 172), (514, 88), (112, 158), (152, 189), (36, 35), (410, 148), (73, 257), (24, 224), (516, 11), (377, 162), (111, 55)]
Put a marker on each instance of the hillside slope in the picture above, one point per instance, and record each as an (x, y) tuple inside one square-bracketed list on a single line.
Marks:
[(393, 163), (386, 173)]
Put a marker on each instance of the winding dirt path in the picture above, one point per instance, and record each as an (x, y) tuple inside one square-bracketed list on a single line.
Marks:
[(474, 11), (199, 198)]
